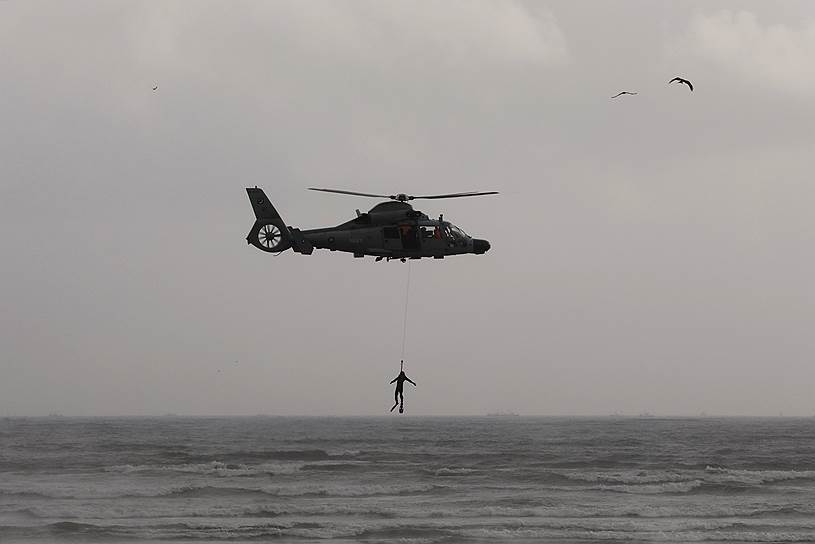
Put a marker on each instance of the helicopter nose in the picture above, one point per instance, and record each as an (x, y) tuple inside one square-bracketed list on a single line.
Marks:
[(480, 246)]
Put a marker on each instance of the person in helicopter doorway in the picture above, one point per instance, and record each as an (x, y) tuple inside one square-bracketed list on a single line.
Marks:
[(398, 395)]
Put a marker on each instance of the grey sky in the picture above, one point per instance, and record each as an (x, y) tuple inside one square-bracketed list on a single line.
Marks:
[(650, 253)]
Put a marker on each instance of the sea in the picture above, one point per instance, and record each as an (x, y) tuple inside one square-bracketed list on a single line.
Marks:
[(404, 479)]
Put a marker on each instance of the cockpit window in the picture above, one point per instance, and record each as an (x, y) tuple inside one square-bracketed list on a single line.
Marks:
[(457, 233), (441, 230)]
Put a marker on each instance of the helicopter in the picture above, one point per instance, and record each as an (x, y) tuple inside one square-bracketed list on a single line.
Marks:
[(390, 230)]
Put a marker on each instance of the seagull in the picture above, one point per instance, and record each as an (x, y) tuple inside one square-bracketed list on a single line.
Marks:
[(685, 81), (155, 88), (622, 93)]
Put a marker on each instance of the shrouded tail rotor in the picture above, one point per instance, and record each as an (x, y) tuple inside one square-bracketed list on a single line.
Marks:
[(268, 237), (269, 233)]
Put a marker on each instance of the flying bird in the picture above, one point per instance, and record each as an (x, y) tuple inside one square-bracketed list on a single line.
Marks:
[(680, 80), (622, 93), (155, 88)]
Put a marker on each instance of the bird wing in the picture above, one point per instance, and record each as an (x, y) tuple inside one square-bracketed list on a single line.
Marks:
[(676, 79), (689, 84), (618, 94)]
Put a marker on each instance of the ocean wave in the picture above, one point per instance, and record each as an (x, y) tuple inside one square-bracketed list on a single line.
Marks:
[(635, 489), (758, 477), (74, 528), (706, 516), (647, 509), (390, 531), (335, 466), (780, 511), (407, 533), (19, 514), (636, 535), (680, 487), (189, 492), (389, 512), (754, 536), (670, 525), (420, 503), (25, 494), (259, 456), (345, 509), (175, 531), (312, 490), (680, 480), (541, 477), (446, 471), (630, 476), (75, 531), (499, 512), (285, 455), (611, 461), (291, 489), (365, 490), (653, 489), (213, 468), (344, 453)]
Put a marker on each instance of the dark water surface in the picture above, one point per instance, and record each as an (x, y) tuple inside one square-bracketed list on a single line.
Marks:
[(405, 479)]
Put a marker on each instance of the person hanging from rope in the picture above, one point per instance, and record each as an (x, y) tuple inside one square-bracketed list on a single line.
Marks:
[(398, 395)]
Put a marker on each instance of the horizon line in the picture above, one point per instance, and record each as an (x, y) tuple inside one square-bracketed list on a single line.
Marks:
[(169, 415)]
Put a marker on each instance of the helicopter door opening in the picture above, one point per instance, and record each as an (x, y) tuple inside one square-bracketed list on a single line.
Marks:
[(391, 238), (429, 232), (432, 238), (410, 237)]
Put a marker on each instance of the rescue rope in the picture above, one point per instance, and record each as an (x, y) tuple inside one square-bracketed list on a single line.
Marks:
[(404, 319)]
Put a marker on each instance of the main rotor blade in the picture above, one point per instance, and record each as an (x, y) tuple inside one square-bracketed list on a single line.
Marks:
[(457, 195), (348, 192)]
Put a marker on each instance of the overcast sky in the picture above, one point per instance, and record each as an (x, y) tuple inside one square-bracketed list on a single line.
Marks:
[(650, 253)]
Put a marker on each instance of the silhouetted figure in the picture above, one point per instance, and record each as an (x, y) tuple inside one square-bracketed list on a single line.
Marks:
[(398, 396), (685, 81), (622, 93)]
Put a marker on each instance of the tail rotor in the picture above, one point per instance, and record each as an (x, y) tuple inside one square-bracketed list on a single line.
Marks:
[(269, 237), (269, 233)]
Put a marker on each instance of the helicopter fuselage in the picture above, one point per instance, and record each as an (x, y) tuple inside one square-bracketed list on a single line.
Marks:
[(390, 230)]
